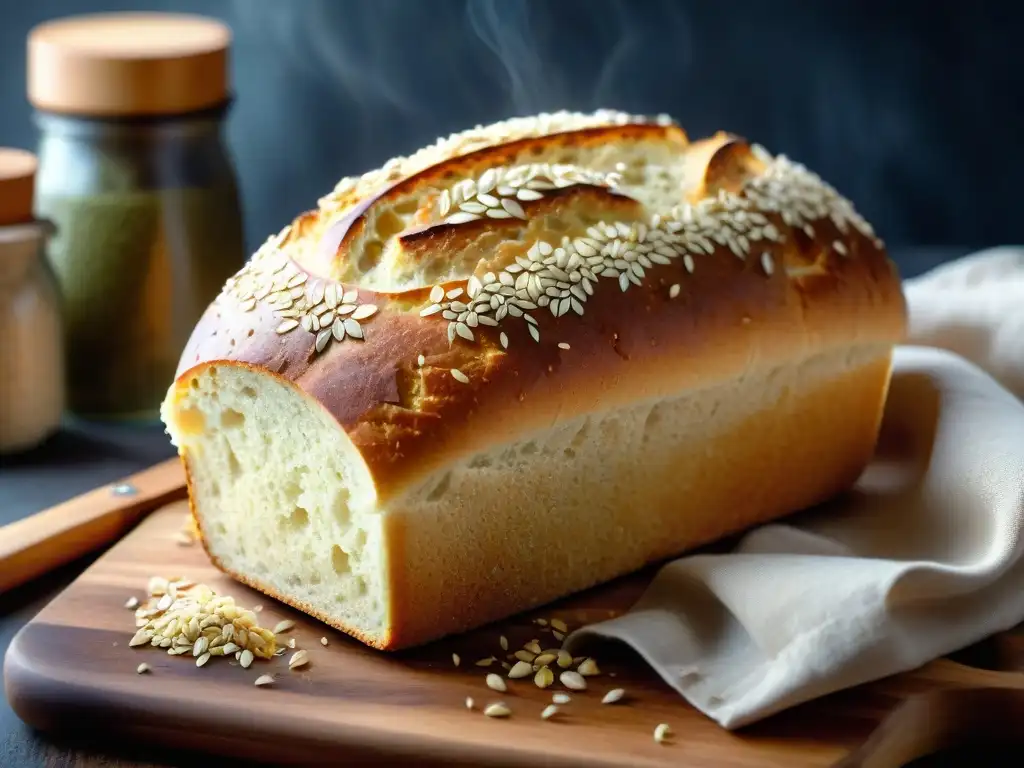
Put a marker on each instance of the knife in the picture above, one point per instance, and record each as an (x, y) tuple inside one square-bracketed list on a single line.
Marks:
[(42, 542)]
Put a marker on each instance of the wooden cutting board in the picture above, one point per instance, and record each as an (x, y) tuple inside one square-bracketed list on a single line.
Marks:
[(71, 670)]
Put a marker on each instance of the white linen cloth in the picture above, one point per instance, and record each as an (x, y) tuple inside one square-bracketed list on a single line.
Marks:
[(923, 557)]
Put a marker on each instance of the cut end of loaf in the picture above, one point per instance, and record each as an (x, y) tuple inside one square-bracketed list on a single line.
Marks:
[(288, 505)]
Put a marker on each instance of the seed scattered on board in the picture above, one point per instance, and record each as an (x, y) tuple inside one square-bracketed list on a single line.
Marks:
[(497, 709), (588, 668), (323, 641), (561, 698), (455, 659), (613, 696), (662, 732), (132, 604), (264, 680), (469, 702), (298, 659), (494, 682), (142, 669), (520, 669), (573, 680), (549, 711), (544, 677), (283, 626)]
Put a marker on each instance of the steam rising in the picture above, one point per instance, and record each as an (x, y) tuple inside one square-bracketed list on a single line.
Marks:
[(489, 58), (504, 27)]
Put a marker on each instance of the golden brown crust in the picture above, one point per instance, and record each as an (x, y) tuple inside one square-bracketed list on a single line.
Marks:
[(440, 586), (641, 342), (340, 234), (583, 289)]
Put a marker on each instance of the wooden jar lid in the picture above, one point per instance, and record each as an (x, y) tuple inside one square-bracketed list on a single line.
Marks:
[(17, 182), (122, 64)]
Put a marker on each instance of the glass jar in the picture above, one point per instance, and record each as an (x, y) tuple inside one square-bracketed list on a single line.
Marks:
[(31, 354), (142, 191)]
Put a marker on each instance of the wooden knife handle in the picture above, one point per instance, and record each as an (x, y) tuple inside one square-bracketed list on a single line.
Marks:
[(42, 542)]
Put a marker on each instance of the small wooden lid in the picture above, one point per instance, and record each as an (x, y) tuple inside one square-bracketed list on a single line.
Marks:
[(122, 64), (17, 184)]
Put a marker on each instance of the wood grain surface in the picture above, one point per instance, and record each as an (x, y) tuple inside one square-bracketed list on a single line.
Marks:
[(70, 672)]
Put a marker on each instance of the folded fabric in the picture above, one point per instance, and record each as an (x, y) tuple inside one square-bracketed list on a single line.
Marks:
[(923, 557)]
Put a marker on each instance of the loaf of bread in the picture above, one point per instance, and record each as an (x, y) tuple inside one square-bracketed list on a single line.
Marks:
[(527, 359)]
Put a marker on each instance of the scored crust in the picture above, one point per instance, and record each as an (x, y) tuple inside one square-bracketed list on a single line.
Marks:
[(516, 277), (804, 259)]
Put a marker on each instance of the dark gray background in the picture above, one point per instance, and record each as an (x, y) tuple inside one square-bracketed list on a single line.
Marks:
[(913, 109)]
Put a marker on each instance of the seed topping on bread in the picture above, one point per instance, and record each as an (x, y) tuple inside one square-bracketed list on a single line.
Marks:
[(483, 249)]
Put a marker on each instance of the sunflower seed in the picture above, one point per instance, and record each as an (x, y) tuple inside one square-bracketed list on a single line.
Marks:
[(283, 626), (455, 659), (469, 702), (544, 677), (520, 669), (561, 698), (298, 659), (486, 662), (246, 658), (613, 696), (461, 218), (513, 208), (549, 711), (264, 680), (364, 311), (498, 709), (662, 732), (142, 669), (495, 683), (588, 668), (459, 376), (203, 659), (133, 602), (323, 641), (573, 680), (503, 641)]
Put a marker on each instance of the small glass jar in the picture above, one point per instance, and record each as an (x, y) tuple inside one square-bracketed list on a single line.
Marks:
[(135, 174), (31, 348)]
